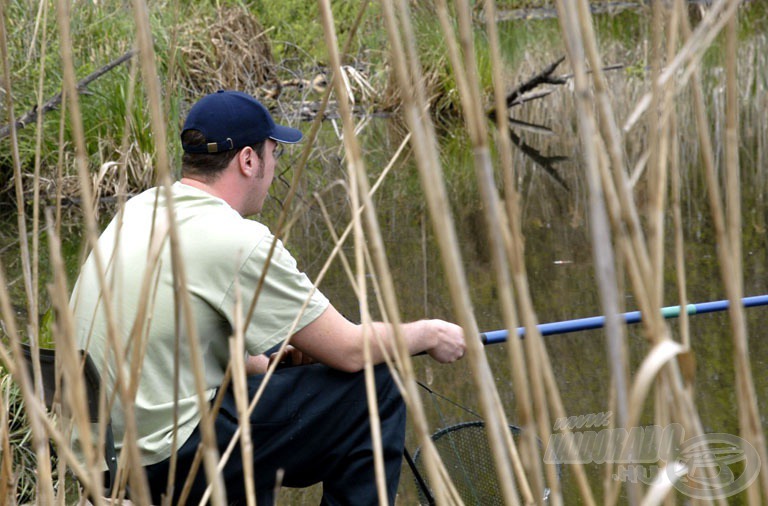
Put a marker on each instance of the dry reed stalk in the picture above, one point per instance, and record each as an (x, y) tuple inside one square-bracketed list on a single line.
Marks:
[(408, 73), (441, 486), (749, 414), (680, 402), (373, 407), (125, 142), (657, 175), (391, 361), (335, 237), (675, 185), (70, 362), (138, 479), (237, 349), (558, 410), (253, 403), (659, 491), (34, 406), (279, 230), (573, 27), (45, 482), (622, 211), (639, 263), (187, 487), (337, 240), (149, 71), (466, 77), (7, 494), (359, 189), (34, 308), (688, 58), (137, 340), (74, 402), (580, 44), (280, 227), (750, 426), (515, 252), (136, 337), (318, 195), (310, 138), (60, 167), (17, 176)]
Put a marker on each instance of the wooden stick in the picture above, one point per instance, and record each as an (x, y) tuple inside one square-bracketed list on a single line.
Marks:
[(516, 96), (54, 102)]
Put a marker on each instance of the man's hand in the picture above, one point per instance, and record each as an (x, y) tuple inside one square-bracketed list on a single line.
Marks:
[(258, 364), (450, 345), (290, 357)]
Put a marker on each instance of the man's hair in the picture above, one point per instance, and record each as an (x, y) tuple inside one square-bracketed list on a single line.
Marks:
[(208, 166)]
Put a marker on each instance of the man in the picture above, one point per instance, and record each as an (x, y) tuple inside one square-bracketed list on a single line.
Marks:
[(312, 421)]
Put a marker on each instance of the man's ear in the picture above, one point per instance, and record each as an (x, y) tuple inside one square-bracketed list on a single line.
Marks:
[(248, 161)]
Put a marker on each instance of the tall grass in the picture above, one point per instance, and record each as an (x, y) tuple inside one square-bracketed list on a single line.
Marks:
[(117, 141)]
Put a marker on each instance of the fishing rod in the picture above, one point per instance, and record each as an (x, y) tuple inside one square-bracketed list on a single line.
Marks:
[(596, 322)]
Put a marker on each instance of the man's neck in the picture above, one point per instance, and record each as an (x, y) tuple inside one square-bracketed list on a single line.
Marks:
[(201, 185), (217, 190)]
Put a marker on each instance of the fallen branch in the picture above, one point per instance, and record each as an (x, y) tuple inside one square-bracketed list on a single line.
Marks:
[(54, 102), (543, 77), (518, 95), (521, 99)]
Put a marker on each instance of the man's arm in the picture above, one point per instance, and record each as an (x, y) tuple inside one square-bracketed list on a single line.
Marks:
[(338, 343)]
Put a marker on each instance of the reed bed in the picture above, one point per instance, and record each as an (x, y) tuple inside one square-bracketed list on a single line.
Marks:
[(629, 190)]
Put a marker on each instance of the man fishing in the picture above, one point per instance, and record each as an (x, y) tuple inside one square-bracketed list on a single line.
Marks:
[(311, 424)]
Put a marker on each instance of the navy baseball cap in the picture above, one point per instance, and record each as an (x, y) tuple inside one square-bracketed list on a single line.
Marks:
[(232, 120)]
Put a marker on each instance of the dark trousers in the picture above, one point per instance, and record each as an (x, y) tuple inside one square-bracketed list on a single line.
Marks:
[(311, 422)]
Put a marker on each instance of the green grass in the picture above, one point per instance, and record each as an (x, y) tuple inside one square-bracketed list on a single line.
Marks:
[(105, 30)]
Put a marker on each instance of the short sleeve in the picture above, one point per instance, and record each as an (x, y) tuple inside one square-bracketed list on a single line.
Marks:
[(287, 301)]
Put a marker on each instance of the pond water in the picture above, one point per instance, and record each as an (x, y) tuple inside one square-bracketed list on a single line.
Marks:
[(557, 241), (559, 252)]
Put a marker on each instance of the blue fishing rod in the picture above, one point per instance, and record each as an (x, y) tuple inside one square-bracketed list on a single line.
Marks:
[(467, 438), (596, 322)]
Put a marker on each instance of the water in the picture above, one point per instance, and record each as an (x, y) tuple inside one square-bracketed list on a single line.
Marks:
[(559, 255), (562, 281)]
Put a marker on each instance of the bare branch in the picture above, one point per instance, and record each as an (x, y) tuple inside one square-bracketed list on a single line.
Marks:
[(54, 102)]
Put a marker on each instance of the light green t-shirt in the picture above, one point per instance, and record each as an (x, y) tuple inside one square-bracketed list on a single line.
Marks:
[(220, 251)]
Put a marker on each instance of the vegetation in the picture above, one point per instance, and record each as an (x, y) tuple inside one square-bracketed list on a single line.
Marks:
[(275, 51)]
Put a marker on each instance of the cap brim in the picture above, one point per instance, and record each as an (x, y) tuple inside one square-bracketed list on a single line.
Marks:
[(286, 134)]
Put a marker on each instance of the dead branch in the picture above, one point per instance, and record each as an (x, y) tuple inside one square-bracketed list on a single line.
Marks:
[(543, 77), (518, 95), (54, 102)]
